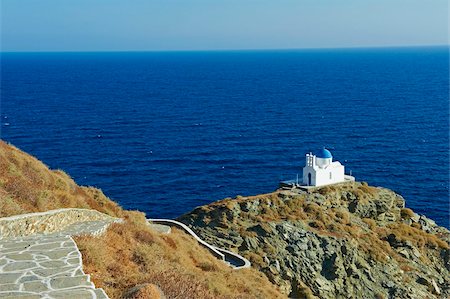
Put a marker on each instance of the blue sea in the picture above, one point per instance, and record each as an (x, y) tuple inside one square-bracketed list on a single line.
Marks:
[(164, 132)]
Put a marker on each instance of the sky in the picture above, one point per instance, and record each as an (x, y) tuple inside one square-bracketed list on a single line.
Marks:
[(158, 25)]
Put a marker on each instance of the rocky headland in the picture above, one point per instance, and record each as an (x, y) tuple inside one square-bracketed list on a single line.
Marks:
[(343, 241)]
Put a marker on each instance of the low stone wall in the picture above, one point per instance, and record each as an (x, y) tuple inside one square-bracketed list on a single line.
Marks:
[(233, 259), (184, 227), (47, 222)]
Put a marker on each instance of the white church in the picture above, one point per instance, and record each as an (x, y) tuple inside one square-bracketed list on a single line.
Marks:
[(321, 170)]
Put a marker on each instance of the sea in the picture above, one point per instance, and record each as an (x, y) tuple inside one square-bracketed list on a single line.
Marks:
[(165, 132)]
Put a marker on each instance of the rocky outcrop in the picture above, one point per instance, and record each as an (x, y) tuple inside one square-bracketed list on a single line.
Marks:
[(343, 241)]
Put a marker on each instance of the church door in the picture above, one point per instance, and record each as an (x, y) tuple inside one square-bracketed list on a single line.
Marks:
[(309, 179)]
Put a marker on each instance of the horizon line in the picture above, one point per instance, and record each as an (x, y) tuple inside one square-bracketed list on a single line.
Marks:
[(232, 50)]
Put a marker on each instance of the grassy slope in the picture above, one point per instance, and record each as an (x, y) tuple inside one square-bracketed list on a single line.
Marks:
[(27, 185), (130, 253)]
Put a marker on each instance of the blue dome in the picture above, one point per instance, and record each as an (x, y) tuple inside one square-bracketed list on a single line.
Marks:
[(324, 154)]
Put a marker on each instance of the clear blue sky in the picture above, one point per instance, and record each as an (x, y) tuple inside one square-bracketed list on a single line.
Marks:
[(111, 25)]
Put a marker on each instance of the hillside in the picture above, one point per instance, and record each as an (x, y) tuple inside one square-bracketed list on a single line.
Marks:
[(130, 260), (343, 241), (27, 185)]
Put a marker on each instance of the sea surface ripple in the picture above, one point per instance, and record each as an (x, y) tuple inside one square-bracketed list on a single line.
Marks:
[(164, 132)]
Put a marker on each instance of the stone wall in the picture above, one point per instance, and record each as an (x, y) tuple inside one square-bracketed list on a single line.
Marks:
[(47, 222)]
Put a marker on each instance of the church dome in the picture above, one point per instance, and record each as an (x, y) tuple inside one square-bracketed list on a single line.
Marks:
[(324, 154)]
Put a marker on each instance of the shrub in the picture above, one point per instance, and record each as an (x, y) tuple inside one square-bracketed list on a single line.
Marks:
[(205, 266), (416, 225), (417, 237), (379, 296), (406, 213), (366, 189), (317, 224), (342, 217), (406, 268), (169, 241), (370, 222), (256, 259), (144, 237)]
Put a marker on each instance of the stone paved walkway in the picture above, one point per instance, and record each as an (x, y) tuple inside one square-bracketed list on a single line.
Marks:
[(47, 266)]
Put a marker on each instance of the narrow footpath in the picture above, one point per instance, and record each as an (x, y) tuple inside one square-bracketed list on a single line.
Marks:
[(44, 267), (47, 265)]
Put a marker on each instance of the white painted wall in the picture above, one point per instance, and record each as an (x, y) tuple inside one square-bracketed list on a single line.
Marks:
[(323, 162), (323, 171)]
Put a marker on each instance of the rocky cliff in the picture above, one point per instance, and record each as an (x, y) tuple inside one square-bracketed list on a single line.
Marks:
[(344, 241)]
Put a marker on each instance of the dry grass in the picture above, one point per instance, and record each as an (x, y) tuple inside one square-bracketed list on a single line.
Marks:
[(131, 254), (406, 213), (369, 190), (317, 225), (144, 292), (416, 236), (370, 222), (27, 185)]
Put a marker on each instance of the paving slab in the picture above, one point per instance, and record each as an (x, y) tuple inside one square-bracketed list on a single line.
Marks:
[(48, 265), (21, 295)]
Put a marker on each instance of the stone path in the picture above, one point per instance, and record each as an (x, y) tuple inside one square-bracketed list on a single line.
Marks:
[(48, 265), (44, 267)]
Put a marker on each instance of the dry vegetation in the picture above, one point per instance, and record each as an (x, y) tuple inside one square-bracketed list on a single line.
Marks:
[(337, 221), (27, 185), (129, 254)]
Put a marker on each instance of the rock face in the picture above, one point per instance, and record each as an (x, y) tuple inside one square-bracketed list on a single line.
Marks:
[(342, 241)]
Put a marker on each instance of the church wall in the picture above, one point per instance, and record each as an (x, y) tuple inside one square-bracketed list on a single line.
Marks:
[(322, 176), (307, 170)]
